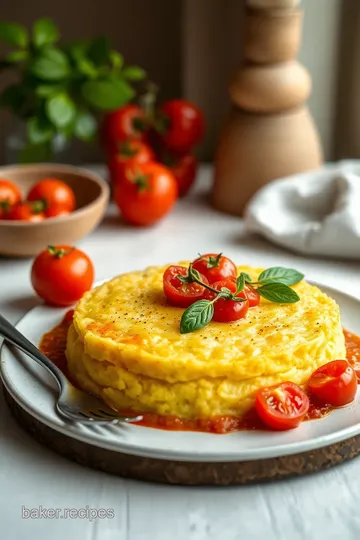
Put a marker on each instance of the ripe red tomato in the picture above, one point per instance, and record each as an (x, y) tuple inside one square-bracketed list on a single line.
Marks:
[(61, 275), (227, 310), (55, 194), (25, 212), (282, 406), (334, 383), (252, 295), (148, 193), (184, 125), (130, 153), (179, 293), (215, 267), (9, 196), (128, 122), (184, 170)]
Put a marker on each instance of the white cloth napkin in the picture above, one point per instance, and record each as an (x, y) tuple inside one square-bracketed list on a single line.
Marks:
[(315, 213)]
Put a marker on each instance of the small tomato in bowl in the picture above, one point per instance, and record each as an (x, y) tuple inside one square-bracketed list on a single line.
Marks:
[(60, 275), (55, 195), (9, 196)]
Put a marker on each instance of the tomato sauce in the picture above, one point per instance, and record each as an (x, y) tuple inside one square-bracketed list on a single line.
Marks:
[(53, 345)]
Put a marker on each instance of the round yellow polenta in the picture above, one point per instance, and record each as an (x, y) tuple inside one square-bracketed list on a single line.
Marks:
[(125, 345)]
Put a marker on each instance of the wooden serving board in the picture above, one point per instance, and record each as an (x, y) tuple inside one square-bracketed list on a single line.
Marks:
[(182, 472)]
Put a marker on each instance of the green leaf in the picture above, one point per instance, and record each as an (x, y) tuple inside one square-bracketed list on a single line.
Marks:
[(60, 110), (48, 90), (51, 65), (85, 126), (14, 34), (107, 94), (247, 277), (278, 293), (17, 56), (133, 73), (45, 32), (116, 59), (196, 316), (240, 282), (99, 50), (39, 131), (287, 276)]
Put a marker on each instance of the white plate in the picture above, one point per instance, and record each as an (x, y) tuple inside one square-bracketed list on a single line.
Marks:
[(34, 390)]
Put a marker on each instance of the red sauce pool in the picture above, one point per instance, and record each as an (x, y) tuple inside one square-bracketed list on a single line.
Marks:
[(53, 345)]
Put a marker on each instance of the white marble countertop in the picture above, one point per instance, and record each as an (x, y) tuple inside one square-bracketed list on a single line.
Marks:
[(317, 507)]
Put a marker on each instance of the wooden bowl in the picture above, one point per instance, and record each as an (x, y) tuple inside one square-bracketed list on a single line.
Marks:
[(22, 239)]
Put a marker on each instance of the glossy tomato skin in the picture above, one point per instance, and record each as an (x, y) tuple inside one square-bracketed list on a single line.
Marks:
[(55, 194), (184, 170), (213, 269), (178, 293), (147, 195), (128, 122), (227, 310), (61, 281), (184, 127), (252, 295), (283, 406), (131, 153), (24, 212), (334, 383), (9, 196)]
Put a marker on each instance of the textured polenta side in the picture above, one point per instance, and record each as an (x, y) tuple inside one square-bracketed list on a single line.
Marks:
[(125, 346)]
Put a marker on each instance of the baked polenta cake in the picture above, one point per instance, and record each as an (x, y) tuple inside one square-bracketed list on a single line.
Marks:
[(125, 346)]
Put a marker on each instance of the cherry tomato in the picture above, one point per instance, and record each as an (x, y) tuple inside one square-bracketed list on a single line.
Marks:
[(227, 310), (215, 267), (56, 212), (282, 406), (128, 122), (130, 153), (184, 125), (252, 295), (184, 170), (334, 383), (9, 196), (148, 193), (26, 211), (55, 195), (179, 293), (61, 275)]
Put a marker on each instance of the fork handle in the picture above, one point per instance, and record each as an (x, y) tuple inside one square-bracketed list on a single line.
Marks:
[(16, 338)]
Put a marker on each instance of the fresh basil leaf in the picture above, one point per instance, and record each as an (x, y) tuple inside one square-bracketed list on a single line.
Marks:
[(85, 126), (196, 316), (287, 276), (86, 67), (116, 59), (14, 34), (17, 56), (133, 73), (48, 90), (240, 282), (107, 94), (39, 131), (278, 293), (45, 32), (60, 110), (51, 65), (99, 50)]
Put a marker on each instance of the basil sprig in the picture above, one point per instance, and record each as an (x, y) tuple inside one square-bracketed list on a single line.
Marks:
[(272, 284)]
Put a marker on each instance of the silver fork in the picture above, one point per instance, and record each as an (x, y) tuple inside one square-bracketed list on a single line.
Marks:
[(72, 404)]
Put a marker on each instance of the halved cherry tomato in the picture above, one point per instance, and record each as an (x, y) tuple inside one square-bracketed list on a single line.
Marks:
[(227, 310), (9, 196), (130, 153), (147, 195), (179, 293), (26, 211), (183, 125), (215, 267), (61, 275), (334, 383), (282, 406), (55, 195), (124, 123)]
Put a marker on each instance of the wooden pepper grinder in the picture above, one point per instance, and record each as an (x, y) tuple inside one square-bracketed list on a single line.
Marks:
[(269, 132)]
